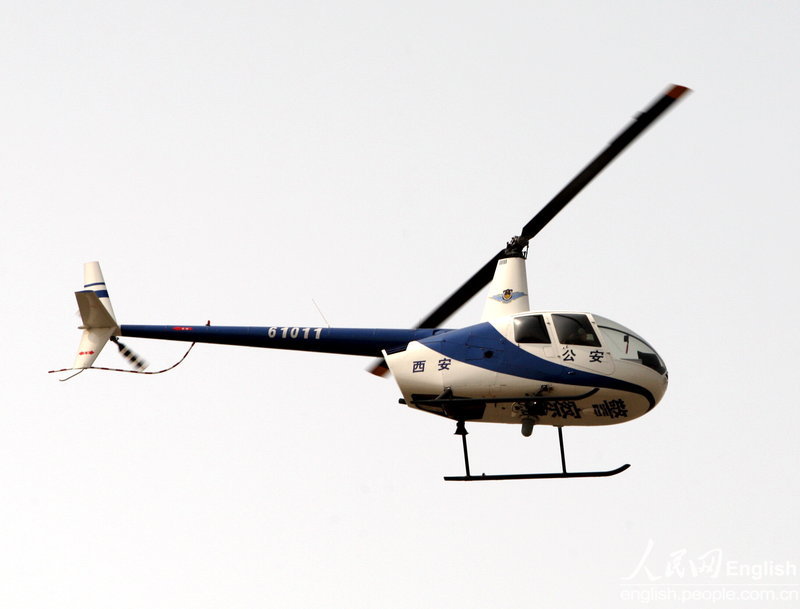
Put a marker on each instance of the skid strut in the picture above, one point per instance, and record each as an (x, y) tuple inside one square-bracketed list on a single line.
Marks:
[(461, 430)]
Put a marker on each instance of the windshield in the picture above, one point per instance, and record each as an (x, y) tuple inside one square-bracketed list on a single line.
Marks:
[(627, 345)]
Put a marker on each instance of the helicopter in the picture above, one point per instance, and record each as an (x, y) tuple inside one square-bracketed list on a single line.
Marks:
[(515, 366)]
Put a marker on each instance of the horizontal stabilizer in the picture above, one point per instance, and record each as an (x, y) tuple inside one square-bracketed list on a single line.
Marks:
[(93, 313)]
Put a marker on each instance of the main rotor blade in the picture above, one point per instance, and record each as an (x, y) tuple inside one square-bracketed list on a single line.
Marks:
[(549, 211), (449, 306), (462, 294), (601, 161), (484, 275)]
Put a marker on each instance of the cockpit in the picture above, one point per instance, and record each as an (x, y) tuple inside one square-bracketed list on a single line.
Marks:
[(571, 329), (577, 329)]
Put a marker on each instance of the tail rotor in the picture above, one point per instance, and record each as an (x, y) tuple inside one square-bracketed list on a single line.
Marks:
[(99, 326), (135, 360)]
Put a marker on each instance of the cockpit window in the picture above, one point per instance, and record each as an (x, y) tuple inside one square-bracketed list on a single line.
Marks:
[(575, 329), (531, 329)]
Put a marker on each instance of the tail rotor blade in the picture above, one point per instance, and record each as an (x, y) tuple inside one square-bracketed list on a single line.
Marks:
[(135, 360)]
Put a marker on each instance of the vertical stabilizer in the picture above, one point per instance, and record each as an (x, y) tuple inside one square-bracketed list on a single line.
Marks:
[(93, 280), (508, 292), (97, 315)]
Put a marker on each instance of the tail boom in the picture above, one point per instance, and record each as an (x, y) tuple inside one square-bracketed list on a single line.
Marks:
[(346, 341)]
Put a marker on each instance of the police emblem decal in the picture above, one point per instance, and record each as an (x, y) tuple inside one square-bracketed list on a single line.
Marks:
[(508, 295)]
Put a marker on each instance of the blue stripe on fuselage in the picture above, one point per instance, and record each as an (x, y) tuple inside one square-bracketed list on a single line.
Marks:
[(467, 344)]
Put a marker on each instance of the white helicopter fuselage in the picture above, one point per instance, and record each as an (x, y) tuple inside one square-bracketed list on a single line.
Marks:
[(558, 368), (557, 356)]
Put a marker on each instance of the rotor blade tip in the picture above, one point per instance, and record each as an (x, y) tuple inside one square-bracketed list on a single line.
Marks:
[(677, 90), (379, 370)]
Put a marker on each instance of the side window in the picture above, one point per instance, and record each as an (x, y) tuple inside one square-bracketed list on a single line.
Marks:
[(574, 329), (531, 329)]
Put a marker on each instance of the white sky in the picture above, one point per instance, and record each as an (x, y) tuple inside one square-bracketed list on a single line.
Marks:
[(232, 161)]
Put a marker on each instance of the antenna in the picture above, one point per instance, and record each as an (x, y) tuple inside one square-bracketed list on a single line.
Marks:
[(321, 313)]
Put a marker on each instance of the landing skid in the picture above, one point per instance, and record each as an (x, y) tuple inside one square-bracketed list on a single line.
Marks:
[(461, 430)]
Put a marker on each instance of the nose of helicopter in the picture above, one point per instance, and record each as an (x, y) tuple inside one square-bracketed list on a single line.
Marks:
[(635, 356), (658, 386), (645, 374)]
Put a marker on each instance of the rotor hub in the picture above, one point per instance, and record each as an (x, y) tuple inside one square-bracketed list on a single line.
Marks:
[(516, 248)]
